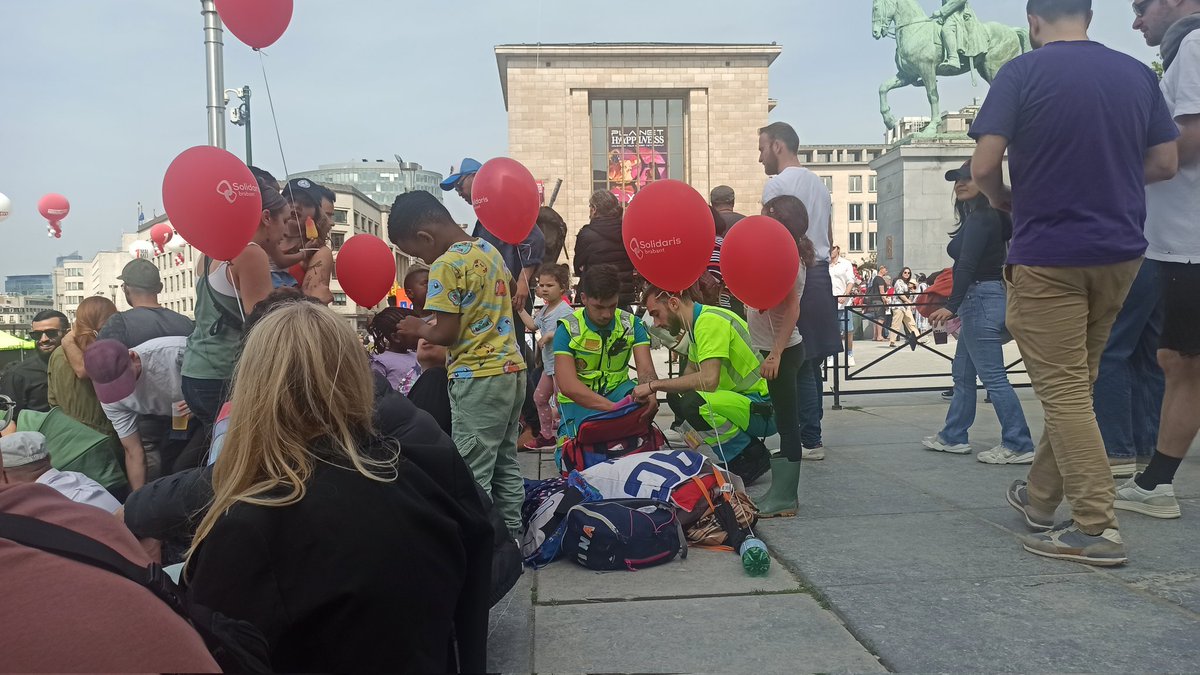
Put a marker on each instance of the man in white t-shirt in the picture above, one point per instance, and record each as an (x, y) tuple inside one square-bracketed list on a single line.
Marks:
[(25, 459), (778, 148), (841, 274), (1172, 209), (136, 383)]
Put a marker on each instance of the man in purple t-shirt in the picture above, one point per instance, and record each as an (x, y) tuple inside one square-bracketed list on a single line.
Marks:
[(1085, 128)]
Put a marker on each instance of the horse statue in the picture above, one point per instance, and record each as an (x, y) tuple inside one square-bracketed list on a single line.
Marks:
[(921, 55)]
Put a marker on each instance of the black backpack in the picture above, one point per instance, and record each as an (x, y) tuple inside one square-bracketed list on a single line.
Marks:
[(236, 646), (623, 534)]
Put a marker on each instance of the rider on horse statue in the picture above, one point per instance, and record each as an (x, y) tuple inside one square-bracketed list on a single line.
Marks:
[(962, 34)]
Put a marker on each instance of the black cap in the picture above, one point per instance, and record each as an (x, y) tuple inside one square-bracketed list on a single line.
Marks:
[(302, 189), (961, 173)]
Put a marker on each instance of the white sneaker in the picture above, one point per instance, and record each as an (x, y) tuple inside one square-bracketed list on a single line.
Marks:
[(1157, 503), (1122, 469), (850, 361), (936, 443), (1002, 455), (815, 454)]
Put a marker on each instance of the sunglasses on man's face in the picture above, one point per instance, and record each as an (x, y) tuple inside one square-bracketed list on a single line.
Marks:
[(1139, 8), (53, 334)]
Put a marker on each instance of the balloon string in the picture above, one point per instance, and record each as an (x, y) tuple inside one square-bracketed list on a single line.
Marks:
[(274, 119)]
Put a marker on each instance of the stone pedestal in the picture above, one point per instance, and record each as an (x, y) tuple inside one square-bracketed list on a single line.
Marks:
[(916, 204)]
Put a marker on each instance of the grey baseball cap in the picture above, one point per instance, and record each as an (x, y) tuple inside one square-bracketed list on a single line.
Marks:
[(22, 448)]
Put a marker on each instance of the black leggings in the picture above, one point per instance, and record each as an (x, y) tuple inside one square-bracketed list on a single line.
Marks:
[(786, 402)]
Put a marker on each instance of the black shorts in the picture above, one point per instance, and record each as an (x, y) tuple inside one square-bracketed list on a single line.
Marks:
[(1181, 300)]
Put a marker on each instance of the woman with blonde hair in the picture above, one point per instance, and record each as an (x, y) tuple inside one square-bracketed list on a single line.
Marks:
[(69, 386), (346, 556)]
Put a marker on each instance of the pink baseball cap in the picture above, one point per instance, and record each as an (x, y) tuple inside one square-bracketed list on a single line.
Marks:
[(109, 365)]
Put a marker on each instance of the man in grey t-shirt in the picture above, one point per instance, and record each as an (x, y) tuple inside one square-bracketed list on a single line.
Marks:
[(148, 319), (135, 384)]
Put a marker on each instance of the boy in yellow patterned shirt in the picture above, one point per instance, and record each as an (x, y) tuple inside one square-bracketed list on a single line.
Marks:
[(469, 294)]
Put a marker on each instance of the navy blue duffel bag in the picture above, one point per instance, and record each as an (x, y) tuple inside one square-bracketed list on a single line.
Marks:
[(623, 534)]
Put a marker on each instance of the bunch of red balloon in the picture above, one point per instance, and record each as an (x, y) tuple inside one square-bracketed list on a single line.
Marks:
[(54, 207), (160, 234)]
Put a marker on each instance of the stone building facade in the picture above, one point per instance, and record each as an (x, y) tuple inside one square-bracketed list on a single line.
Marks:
[(846, 172), (617, 116)]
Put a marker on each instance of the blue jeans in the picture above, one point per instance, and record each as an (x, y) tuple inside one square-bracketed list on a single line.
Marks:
[(980, 353), (205, 398), (810, 388), (1129, 389)]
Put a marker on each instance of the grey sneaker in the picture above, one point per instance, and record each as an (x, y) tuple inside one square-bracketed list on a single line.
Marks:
[(814, 454), (935, 442), (1157, 503), (1018, 498), (1068, 542), (1002, 455)]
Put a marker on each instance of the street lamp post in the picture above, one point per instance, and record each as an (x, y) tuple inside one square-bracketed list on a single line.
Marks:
[(215, 72), (240, 116)]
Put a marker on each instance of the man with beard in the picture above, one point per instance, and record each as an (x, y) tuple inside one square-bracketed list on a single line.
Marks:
[(778, 145), (721, 393), (26, 382), (147, 319)]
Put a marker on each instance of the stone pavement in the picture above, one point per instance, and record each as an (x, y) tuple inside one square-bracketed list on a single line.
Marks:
[(901, 559)]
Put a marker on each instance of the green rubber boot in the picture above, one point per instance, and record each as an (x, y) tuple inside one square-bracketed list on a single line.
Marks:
[(781, 500)]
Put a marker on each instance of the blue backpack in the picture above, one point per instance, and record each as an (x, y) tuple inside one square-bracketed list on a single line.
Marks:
[(623, 534)]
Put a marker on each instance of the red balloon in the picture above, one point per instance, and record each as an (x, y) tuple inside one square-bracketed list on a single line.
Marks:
[(506, 200), (54, 207), (759, 261), (258, 23), (366, 269), (160, 234), (212, 200), (669, 234)]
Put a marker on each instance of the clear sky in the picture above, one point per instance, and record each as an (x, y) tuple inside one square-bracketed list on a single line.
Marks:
[(98, 96)]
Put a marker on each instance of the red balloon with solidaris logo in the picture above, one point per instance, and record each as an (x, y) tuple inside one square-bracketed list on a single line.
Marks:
[(54, 207), (669, 234), (506, 199), (759, 261), (258, 23), (366, 269), (160, 234), (213, 201)]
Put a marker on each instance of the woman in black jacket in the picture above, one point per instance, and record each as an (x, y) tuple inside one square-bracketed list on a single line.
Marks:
[(979, 248), (600, 243), (346, 556)]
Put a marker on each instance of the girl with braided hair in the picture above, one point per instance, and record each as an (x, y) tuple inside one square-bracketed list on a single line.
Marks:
[(394, 356)]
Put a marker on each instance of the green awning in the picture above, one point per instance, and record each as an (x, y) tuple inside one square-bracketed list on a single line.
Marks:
[(10, 342)]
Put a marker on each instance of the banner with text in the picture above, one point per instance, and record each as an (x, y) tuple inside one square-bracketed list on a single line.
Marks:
[(636, 158)]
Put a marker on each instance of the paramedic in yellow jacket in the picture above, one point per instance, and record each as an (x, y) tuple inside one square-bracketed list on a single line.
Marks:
[(721, 393), (592, 350)]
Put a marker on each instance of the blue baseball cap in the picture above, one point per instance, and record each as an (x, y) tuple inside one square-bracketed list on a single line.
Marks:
[(467, 167)]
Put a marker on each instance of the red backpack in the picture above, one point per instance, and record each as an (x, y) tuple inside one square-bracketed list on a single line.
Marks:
[(610, 435)]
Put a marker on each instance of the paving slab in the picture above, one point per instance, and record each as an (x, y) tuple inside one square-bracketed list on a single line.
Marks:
[(510, 629), (827, 491), (752, 634), (703, 573), (1163, 555), (1051, 623), (875, 549)]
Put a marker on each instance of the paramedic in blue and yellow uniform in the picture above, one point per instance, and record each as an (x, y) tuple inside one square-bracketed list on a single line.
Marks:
[(592, 350), (721, 394)]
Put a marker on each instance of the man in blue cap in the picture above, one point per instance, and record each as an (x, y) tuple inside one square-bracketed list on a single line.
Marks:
[(522, 259)]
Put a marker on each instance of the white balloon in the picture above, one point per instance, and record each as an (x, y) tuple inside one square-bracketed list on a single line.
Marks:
[(141, 249), (5, 206), (175, 243)]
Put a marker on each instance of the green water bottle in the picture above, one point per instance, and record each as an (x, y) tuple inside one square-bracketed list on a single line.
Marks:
[(755, 559)]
